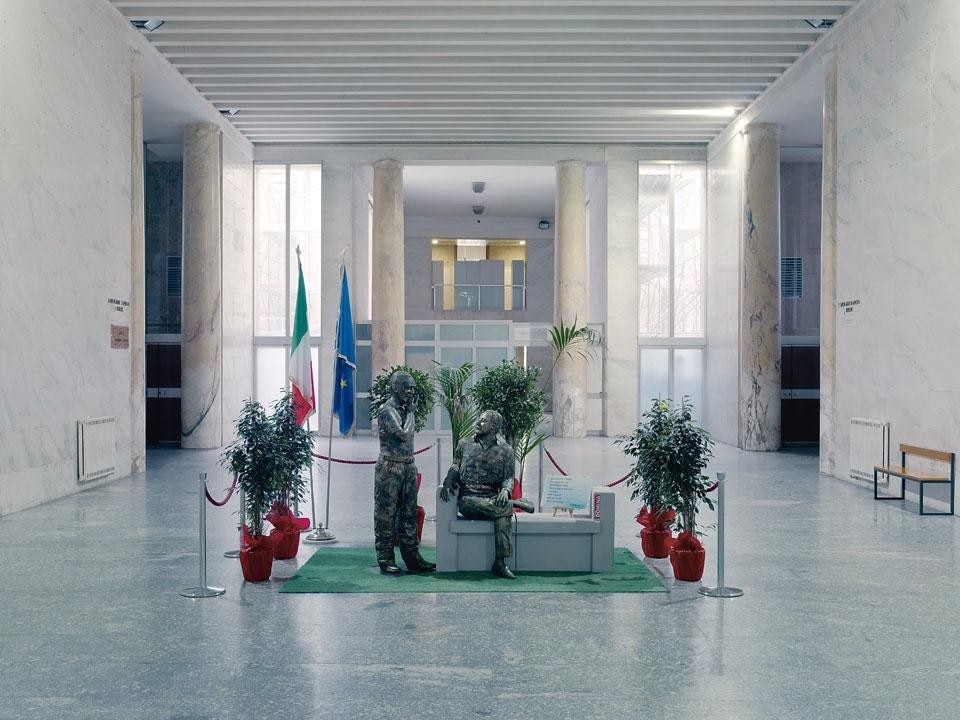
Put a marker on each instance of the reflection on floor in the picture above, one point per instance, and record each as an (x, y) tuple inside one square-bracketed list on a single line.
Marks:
[(848, 613)]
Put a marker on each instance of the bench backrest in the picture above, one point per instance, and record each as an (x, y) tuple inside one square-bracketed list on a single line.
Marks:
[(940, 455)]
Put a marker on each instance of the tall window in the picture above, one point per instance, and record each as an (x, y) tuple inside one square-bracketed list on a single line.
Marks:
[(286, 216), (670, 282)]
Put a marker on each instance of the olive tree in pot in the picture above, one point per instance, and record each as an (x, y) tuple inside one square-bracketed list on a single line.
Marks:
[(511, 390), (294, 447), (254, 458), (671, 452)]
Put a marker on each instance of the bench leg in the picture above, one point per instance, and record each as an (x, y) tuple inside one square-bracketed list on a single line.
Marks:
[(876, 493)]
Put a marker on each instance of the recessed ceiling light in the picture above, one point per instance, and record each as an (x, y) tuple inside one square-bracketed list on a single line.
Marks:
[(817, 24), (148, 25), (230, 112), (435, 242)]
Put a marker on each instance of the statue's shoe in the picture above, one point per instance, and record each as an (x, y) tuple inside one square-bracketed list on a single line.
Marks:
[(500, 569), (388, 568), (525, 504), (416, 564)]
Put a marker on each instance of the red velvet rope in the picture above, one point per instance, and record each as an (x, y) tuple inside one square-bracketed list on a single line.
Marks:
[(564, 473), (226, 499), (362, 462), (712, 487)]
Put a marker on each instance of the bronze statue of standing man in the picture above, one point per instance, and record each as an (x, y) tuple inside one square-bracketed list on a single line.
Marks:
[(395, 480), (482, 477)]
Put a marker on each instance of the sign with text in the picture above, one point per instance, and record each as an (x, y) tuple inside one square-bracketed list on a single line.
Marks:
[(569, 493)]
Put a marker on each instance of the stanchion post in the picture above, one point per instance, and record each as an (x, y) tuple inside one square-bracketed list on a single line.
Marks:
[(439, 465), (235, 552), (721, 590), (540, 476), (203, 590)]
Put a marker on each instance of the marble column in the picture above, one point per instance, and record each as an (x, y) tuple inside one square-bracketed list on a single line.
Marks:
[(828, 272), (138, 426), (337, 246), (201, 349), (570, 373), (387, 311), (621, 379), (760, 291)]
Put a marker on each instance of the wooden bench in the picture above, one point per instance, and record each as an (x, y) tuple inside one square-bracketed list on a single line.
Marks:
[(918, 477)]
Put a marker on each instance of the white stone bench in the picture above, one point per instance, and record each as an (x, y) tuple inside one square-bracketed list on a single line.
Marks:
[(540, 541)]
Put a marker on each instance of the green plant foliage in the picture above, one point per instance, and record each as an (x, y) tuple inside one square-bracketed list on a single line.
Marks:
[(295, 449), (252, 456), (511, 390), (380, 392), (573, 341), (671, 452), (451, 386)]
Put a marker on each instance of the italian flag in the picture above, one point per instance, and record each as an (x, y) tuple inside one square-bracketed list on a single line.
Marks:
[(301, 366)]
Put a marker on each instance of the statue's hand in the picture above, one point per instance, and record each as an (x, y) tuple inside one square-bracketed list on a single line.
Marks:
[(444, 494), (502, 498)]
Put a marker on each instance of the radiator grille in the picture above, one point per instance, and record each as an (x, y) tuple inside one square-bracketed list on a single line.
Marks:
[(869, 446), (96, 448)]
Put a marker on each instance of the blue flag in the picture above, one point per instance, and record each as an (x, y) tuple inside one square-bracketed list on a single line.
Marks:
[(346, 363)]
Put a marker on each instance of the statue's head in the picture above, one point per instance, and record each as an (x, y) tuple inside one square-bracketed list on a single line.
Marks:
[(403, 386), (491, 422)]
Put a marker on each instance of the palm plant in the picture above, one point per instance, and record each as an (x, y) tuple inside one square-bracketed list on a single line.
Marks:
[(573, 341), (455, 398)]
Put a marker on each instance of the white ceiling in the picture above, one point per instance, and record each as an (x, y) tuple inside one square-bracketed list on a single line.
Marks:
[(510, 191), (365, 71)]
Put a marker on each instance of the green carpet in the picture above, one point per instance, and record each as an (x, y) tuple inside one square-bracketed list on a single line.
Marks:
[(354, 570)]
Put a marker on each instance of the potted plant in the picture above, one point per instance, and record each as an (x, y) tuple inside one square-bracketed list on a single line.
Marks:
[(253, 457), (294, 448), (380, 392), (671, 452), (451, 388), (511, 390)]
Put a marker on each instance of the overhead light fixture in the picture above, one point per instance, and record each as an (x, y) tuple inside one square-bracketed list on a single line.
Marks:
[(230, 112), (435, 242), (821, 23), (478, 209), (544, 224), (148, 25), (523, 242), (478, 187)]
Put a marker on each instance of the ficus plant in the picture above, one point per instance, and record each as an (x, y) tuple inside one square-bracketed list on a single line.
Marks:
[(511, 390), (380, 392), (671, 453), (295, 448), (253, 457)]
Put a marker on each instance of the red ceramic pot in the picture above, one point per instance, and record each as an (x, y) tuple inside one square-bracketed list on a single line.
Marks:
[(687, 563), (656, 543), (286, 543), (256, 563)]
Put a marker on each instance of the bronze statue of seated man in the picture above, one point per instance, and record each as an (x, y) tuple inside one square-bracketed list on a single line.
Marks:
[(482, 478)]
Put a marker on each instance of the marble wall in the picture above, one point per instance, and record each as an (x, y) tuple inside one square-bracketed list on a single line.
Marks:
[(724, 181), (898, 258), (237, 284), (65, 240), (800, 185)]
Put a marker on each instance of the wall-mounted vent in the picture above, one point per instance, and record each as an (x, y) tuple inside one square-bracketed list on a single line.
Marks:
[(96, 448), (174, 275), (791, 277)]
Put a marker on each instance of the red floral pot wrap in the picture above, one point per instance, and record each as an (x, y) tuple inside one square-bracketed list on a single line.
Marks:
[(655, 519)]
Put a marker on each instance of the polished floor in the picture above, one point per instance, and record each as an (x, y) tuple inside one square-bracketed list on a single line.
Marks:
[(850, 611)]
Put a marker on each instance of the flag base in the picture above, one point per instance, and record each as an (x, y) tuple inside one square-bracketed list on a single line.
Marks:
[(319, 535)]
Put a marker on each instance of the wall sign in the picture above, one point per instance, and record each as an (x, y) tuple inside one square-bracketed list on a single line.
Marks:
[(119, 324)]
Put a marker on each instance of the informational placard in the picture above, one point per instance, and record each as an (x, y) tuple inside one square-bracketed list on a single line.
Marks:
[(566, 493), (119, 323)]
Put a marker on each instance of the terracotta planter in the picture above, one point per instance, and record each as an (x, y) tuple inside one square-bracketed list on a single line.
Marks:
[(656, 543), (687, 563), (286, 543), (257, 562)]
